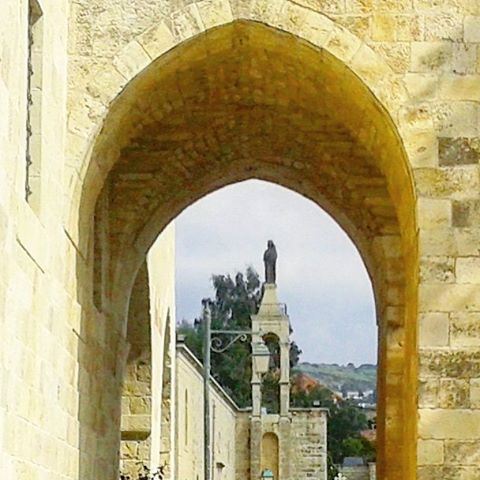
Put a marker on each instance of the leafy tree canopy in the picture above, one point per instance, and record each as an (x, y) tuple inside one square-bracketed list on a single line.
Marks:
[(235, 300)]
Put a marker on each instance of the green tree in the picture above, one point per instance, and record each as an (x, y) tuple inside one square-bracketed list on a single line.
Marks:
[(231, 308), (345, 424)]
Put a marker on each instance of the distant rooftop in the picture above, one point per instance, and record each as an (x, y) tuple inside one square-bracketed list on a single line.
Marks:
[(353, 462)]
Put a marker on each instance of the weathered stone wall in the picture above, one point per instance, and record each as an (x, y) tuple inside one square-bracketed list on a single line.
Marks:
[(137, 421), (189, 423), (406, 129), (308, 448), (38, 309), (302, 444), (242, 445)]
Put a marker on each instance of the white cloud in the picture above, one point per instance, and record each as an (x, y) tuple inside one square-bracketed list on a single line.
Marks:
[(320, 273)]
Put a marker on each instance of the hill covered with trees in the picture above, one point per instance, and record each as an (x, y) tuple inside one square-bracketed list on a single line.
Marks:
[(341, 378)]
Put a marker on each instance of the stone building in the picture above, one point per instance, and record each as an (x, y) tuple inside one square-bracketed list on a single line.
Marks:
[(291, 444), (189, 428), (116, 115)]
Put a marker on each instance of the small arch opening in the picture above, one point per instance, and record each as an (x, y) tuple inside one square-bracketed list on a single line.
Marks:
[(270, 454)]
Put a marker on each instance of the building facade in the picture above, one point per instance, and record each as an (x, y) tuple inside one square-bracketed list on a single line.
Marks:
[(291, 444), (115, 116), (190, 435)]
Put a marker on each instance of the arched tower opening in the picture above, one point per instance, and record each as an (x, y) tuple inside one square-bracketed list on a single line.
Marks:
[(271, 380)]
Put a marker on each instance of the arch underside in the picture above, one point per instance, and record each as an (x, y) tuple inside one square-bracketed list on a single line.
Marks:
[(245, 101), (240, 103)]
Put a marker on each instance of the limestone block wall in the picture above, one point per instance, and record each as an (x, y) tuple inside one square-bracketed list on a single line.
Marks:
[(308, 448), (137, 421), (243, 445), (39, 312), (300, 439), (189, 423), (58, 382), (62, 358)]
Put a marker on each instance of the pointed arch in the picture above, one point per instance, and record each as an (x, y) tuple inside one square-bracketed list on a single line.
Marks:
[(343, 144)]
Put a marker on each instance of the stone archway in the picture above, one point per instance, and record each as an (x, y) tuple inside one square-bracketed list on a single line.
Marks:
[(245, 100)]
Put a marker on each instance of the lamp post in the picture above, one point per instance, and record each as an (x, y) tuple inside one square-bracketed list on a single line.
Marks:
[(260, 356)]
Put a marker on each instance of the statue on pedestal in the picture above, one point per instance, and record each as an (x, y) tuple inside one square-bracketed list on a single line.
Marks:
[(270, 260)]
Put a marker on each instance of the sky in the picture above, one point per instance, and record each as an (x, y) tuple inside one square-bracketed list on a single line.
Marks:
[(320, 274)]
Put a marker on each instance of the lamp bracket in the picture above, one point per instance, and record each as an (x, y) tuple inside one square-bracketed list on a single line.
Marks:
[(219, 345)]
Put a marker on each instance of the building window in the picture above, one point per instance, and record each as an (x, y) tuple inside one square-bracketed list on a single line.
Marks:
[(34, 103)]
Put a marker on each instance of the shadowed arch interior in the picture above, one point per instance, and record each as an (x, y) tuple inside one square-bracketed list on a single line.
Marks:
[(247, 101)]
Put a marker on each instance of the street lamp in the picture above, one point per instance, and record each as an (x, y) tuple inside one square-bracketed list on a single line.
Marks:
[(261, 357), (261, 360)]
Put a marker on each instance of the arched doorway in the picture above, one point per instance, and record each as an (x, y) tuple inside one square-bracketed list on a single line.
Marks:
[(248, 101), (270, 453)]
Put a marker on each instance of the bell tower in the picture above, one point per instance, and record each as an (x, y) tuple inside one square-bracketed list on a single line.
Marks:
[(290, 444), (272, 318), (270, 431)]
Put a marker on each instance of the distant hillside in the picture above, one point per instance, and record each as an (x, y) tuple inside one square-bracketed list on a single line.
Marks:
[(338, 377)]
